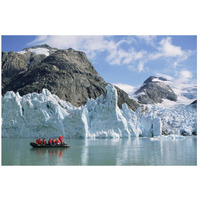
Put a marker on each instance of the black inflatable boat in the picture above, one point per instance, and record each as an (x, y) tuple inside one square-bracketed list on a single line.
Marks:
[(35, 145)]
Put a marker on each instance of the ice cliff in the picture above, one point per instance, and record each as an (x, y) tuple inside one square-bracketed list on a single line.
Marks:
[(45, 115)]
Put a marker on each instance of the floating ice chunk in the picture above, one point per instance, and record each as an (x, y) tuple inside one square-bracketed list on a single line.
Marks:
[(174, 137)]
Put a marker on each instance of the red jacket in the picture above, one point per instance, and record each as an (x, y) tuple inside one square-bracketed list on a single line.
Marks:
[(57, 141), (50, 141), (39, 141), (61, 139)]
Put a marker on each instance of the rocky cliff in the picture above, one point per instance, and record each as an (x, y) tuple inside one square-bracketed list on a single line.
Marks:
[(154, 90), (66, 73)]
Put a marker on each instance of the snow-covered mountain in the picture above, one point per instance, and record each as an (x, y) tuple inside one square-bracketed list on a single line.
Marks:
[(165, 93), (187, 93), (154, 90), (45, 115)]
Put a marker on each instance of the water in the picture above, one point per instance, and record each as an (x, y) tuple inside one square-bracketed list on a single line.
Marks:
[(135, 151)]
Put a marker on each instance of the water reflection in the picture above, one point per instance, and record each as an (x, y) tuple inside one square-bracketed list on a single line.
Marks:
[(133, 151), (51, 156), (84, 156), (50, 152)]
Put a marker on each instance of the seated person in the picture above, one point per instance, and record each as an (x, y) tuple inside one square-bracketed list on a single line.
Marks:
[(61, 139), (50, 141), (53, 141), (39, 141), (57, 141), (44, 141)]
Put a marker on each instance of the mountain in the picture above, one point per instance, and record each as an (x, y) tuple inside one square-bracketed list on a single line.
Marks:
[(65, 73), (154, 90)]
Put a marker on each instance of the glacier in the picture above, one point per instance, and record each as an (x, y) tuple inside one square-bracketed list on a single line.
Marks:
[(45, 115)]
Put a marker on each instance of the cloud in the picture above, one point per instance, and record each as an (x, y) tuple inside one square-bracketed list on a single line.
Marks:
[(167, 49), (181, 77), (120, 56), (141, 66), (149, 39), (186, 74), (87, 43), (121, 50), (127, 88), (93, 45), (169, 78)]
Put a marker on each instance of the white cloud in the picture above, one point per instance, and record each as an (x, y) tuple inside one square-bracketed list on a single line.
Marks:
[(92, 45), (165, 76), (88, 43), (127, 88), (172, 54), (120, 56), (180, 77), (141, 66), (186, 74), (168, 49), (116, 54), (149, 39)]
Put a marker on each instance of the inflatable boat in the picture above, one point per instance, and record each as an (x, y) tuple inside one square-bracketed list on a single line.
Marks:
[(63, 145)]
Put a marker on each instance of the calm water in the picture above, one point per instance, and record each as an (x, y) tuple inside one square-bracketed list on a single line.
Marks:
[(135, 151)]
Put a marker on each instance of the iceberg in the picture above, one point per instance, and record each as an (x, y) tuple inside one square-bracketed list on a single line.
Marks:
[(45, 115)]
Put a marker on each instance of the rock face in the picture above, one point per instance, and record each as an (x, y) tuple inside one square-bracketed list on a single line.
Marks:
[(66, 73), (194, 104), (154, 90)]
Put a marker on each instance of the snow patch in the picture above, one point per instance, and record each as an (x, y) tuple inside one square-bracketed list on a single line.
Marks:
[(37, 51), (40, 51)]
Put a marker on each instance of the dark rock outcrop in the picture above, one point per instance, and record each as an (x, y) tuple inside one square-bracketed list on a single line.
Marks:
[(194, 104), (66, 73), (154, 90)]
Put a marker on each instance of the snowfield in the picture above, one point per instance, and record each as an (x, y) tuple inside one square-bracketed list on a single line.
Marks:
[(37, 51), (45, 115)]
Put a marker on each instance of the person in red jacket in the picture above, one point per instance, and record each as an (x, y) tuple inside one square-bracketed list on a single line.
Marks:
[(57, 141), (53, 141), (44, 141), (39, 141), (50, 141), (61, 139)]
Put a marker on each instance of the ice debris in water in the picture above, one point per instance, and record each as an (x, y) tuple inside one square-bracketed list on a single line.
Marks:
[(44, 114)]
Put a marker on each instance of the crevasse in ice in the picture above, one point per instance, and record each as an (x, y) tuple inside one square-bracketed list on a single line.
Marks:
[(45, 115)]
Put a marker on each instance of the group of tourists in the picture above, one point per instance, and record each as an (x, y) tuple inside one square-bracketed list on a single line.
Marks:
[(50, 141)]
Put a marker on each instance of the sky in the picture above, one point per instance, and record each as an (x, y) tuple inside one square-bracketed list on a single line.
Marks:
[(125, 60)]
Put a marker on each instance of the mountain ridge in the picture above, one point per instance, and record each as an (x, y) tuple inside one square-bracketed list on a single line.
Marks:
[(67, 73), (154, 90)]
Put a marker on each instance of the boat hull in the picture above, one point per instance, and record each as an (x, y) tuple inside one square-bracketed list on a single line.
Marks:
[(34, 145)]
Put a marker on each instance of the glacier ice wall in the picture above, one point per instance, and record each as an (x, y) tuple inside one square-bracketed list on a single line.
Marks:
[(181, 119), (45, 115)]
